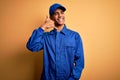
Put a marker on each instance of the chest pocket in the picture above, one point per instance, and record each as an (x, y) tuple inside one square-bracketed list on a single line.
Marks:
[(69, 44), (68, 47)]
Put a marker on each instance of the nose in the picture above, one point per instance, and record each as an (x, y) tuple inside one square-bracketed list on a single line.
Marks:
[(59, 15)]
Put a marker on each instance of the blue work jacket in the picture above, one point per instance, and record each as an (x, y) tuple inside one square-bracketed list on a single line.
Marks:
[(63, 53)]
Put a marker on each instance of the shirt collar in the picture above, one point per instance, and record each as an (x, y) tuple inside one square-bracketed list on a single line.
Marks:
[(64, 30)]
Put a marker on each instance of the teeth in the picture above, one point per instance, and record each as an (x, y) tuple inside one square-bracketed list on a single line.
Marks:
[(60, 19)]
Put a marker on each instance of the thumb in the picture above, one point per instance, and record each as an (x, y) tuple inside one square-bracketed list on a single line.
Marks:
[(47, 18)]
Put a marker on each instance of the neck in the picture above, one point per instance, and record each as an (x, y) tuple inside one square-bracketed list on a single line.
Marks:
[(59, 28)]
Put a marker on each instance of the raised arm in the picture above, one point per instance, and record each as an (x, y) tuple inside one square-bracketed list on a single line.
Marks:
[(36, 41)]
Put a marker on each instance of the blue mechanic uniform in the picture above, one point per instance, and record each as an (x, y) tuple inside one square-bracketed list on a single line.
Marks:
[(63, 53)]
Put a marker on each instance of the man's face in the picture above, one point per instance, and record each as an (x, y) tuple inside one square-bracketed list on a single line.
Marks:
[(58, 17)]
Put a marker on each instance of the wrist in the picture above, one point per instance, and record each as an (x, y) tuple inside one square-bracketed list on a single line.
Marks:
[(43, 27)]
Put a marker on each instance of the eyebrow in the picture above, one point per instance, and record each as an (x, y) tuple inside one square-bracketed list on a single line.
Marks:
[(60, 11)]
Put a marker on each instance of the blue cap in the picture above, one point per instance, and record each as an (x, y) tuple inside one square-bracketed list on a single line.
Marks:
[(54, 7)]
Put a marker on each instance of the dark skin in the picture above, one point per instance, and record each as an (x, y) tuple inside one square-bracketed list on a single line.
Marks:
[(57, 20)]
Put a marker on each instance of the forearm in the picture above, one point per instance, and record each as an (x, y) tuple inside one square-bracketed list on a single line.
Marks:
[(77, 70), (35, 42)]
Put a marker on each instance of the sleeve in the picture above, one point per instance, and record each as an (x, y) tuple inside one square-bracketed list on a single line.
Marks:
[(35, 42), (78, 60)]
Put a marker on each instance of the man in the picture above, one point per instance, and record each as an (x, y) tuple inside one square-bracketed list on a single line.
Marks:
[(63, 50)]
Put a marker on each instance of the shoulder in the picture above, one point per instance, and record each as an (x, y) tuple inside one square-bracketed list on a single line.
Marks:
[(70, 31), (74, 33)]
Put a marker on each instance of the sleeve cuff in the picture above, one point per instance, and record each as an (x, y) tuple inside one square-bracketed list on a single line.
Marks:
[(40, 29)]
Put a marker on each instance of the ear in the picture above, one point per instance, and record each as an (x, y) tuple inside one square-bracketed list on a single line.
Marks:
[(51, 17)]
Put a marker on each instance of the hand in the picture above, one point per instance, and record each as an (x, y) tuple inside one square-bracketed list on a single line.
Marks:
[(47, 24)]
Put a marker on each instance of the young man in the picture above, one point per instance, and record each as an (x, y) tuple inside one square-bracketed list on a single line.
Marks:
[(63, 50)]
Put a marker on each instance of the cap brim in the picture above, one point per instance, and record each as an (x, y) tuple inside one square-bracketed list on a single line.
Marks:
[(62, 8)]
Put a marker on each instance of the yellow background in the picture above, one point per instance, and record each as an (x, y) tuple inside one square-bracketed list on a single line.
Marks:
[(98, 22)]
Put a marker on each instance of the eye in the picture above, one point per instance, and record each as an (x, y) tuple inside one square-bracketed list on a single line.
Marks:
[(62, 12), (55, 13)]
